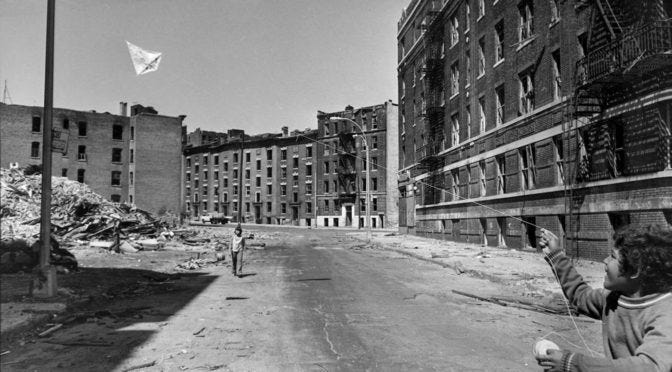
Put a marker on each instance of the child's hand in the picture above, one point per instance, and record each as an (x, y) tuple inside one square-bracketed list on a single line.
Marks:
[(548, 241), (552, 361)]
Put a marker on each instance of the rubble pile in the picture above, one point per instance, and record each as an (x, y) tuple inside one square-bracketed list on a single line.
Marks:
[(76, 211)]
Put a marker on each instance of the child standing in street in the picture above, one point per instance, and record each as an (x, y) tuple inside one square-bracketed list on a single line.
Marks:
[(635, 305), (236, 249)]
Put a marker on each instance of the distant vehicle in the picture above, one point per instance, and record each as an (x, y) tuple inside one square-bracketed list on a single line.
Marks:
[(215, 218)]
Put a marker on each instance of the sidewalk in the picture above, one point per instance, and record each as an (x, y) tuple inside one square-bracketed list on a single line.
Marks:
[(523, 269)]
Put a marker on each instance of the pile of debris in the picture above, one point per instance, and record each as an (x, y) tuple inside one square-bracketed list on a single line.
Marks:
[(77, 214), (76, 211)]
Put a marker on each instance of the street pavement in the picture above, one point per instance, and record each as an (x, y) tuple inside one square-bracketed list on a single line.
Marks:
[(324, 299)]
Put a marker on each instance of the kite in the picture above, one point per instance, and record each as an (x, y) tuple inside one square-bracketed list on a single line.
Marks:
[(144, 61)]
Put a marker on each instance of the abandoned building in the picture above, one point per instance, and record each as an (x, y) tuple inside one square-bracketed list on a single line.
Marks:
[(123, 158), (342, 164), (269, 176), (517, 115)]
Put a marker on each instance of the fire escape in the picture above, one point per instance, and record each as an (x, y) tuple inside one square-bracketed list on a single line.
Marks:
[(629, 52), (347, 171), (427, 155)]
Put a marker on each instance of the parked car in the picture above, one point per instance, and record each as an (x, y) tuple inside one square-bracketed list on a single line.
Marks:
[(215, 218)]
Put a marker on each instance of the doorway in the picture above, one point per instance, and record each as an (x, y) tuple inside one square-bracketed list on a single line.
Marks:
[(348, 215)]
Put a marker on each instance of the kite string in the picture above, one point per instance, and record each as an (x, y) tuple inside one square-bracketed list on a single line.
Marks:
[(564, 297)]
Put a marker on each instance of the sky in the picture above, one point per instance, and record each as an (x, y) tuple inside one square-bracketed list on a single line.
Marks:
[(256, 65)]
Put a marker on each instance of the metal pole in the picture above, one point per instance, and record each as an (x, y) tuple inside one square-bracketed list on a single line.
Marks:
[(240, 180), (368, 189), (48, 275)]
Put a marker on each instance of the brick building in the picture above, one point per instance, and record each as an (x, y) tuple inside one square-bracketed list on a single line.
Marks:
[(275, 171), (341, 166), (517, 115), (123, 158)]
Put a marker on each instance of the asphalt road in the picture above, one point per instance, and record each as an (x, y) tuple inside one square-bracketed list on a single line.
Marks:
[(315, 301)]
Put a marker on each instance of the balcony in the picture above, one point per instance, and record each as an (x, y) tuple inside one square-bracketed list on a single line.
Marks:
[(641, 51), (430, 151)]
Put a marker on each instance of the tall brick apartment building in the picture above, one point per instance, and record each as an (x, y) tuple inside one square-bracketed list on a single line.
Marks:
[(517, 115), (123, 158), (341, 166), (275, 171)]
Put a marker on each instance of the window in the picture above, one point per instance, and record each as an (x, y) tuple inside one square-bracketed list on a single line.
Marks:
[(309, 170), (326, 167), (116, 155), (481, 8), (283, 190), (335, 186), (525, 24), (364, 164), (467, 11), (258, 164), (116, 178), (499, 41), (555, 70), (117, 132), (326, 205), (500, 104), (37, 124), (225, 182), (455, 184), (374, 142), (617, 139), (131, 156), (528, 173), (455, 129), (559, 158), (269, 189), (481, 114), (258, 181), (468, 121), (555, 11), (467, 59), (226, 166), (247, 174), (235, 173), (454, 79), (35, 150), (80, 175), (132, 133), (295, 162), (64, 172), (66, 124), (374, 184), (216, 159), (481, 57), (131, 178), (283, 154), (374, 163), (526, 93), (247, 190), (81, 128), (247, 157), (283, 172), (269, 172), (295, 197), (309, 188), (481, 176), (309, 207), (309, 152), (283, 208), (235, 157), (81, 152), (295, 180), (454, 31), (115, 198), (216, 176), (269, 154), (247, 207), (269, 207)]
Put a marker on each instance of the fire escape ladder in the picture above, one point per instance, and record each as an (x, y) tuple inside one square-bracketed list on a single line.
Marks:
[(345, 171)]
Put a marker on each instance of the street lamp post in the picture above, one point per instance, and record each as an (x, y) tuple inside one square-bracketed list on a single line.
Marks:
[(368, 174)]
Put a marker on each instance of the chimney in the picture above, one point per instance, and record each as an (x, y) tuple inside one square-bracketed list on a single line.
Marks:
[(285, 131), (182, 117), (123, 108)]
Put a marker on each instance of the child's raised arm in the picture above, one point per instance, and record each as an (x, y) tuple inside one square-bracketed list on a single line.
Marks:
[(586, 300)]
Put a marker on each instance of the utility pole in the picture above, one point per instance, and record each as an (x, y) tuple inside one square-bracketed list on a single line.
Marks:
[(45, 284), (240, 179)]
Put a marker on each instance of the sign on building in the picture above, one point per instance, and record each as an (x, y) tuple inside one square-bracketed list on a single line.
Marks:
[(59, 141)]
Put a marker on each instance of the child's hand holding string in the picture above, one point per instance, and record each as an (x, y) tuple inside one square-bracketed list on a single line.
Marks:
[(548, 241), (553, 361)]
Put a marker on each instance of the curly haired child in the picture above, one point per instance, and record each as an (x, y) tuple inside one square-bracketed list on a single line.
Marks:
[(635, 304)]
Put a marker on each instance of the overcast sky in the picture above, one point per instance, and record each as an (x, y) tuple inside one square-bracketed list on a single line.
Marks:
[(250, 64)]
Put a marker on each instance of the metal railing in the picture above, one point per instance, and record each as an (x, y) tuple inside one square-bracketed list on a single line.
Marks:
[(619, 55)]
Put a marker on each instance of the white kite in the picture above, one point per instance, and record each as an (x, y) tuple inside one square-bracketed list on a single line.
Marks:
[(144, 61)]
